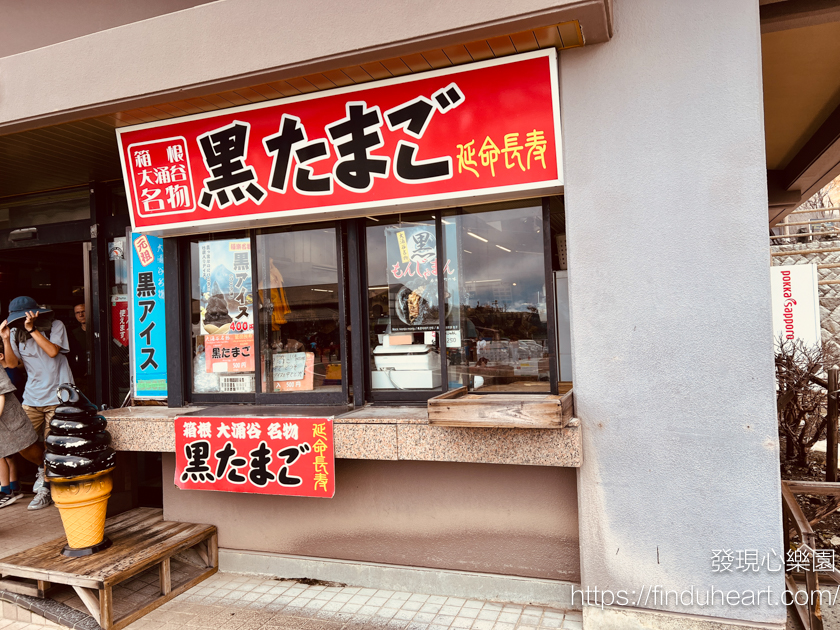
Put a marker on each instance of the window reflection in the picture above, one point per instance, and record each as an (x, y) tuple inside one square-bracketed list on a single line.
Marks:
[(299, 311), (501, 343)]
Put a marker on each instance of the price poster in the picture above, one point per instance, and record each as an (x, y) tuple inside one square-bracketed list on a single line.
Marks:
[(227, 301)]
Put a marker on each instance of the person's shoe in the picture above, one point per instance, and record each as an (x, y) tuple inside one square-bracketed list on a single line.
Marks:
[(42, 499), (7, 499), (39, 480), (18, 493)]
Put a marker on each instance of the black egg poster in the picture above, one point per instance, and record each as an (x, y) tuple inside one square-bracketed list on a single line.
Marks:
[(413, 273), (227, 305)]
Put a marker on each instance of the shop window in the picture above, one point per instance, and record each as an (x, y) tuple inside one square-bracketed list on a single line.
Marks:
[(266, 317), (222, 316), (403, 298), (495, 313), (499, 340), (299, 311)]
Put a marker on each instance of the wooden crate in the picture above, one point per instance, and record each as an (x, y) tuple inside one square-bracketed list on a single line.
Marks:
[(459, 408), (141, 540)]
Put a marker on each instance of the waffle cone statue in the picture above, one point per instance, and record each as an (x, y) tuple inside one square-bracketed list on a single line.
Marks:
[(79, 464)]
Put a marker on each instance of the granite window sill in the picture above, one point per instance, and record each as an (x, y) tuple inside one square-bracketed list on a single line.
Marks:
[(377, 433)]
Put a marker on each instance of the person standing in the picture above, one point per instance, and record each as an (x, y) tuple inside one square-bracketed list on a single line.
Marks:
[(16, 436), (32, 336), (79, 350)]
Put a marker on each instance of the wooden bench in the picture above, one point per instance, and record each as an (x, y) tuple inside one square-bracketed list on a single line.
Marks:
[(141, 540)]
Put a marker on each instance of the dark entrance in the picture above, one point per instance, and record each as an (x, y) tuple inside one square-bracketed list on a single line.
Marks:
[(54, 276)]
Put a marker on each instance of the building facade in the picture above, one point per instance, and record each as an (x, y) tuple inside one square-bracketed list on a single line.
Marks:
[(614, 285)]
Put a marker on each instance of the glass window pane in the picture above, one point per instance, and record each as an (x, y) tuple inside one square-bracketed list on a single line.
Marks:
[(403, 311), (221, 308), (502, 340), (300, 335)]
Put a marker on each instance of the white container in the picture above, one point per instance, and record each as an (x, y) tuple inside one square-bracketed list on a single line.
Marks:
[(405, 379), (412, 357)]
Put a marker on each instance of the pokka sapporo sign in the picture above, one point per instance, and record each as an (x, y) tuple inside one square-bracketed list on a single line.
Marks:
[(490, 128), (287, 456)]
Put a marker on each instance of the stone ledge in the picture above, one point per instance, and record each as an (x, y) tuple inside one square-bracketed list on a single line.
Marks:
[(379, 433), (48, 609)]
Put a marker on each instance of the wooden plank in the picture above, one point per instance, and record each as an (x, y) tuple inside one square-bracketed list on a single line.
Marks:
[(437, 59), (165, 577), (801, 609), (90, 601), (23, 588), (106, 608), (570, 33), (524, 41), (452, 393), (201, 549), (496, 413), (213, 550), (813, 487), (460, 408), (791, 507), (548, 37), (567, 406)]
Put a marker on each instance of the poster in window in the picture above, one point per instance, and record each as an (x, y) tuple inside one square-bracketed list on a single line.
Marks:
[(293, 371), (229, 353), (227, 301), (413, 274)]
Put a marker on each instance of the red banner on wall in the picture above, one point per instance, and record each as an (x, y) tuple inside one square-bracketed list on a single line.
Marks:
[(286, 456), (487, 128)]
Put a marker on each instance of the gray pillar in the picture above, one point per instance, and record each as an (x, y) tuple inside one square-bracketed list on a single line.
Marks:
[(666, 204)]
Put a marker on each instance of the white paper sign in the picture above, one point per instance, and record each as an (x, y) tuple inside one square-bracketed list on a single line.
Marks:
[(289, 366), (796, 303)]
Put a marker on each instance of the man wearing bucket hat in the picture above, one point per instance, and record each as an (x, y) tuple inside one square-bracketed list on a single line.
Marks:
[(32, 336)]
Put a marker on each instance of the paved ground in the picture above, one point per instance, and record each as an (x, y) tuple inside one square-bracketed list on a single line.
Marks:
[(229, 601)]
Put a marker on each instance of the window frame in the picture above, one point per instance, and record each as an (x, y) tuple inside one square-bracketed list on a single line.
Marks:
[(397, 397), (354, 306)]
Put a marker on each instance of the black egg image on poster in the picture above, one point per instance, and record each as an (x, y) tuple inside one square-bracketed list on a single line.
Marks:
[(413, 278)]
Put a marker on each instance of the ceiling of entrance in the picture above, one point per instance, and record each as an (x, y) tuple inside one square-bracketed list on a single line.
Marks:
[(75, 153)]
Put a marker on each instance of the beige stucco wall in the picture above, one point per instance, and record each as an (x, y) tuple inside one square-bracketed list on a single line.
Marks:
[(512, 520), (228, 44), (38, 23)]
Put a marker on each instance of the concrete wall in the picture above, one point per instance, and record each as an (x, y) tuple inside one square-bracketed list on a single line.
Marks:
[(512, 520), (666, 214), (235, 43), (36, 23)]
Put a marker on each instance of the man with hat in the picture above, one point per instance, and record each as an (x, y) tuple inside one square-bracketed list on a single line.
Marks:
[(32, 336)]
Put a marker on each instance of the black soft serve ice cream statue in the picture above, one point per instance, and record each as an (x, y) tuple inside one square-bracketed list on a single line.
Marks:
[(79, 464)]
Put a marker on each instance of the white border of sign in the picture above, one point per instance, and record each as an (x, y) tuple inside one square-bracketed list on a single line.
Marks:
[(332, 212), (802, 302)]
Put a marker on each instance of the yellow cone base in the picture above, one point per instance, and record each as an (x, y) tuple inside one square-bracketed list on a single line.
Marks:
[(82, 502)]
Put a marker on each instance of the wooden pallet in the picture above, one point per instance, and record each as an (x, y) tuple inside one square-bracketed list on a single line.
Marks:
[(141, 540)]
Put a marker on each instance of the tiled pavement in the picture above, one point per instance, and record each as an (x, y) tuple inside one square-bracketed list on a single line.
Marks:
[(228, 601)]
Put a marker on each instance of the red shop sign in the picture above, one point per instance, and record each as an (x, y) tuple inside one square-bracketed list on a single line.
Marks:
[(287, 456), (489, 128)]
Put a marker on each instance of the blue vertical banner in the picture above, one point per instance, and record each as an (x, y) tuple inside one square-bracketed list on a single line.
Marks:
[(148, 321)]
